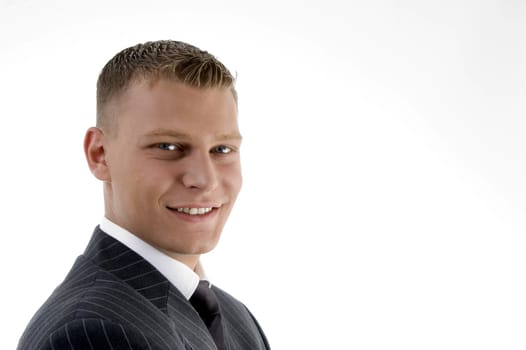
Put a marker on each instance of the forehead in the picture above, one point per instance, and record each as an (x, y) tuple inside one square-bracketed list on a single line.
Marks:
[(152, 105)]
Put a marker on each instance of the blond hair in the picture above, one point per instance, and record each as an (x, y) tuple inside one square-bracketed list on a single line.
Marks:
[(153, 60)]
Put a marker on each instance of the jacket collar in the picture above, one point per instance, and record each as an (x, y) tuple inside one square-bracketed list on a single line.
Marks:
[(128, 266)]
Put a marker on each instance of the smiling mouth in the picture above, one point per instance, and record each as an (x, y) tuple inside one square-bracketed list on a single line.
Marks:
[(192, 211)]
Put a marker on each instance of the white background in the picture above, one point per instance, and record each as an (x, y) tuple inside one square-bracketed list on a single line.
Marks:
[(384, 197)]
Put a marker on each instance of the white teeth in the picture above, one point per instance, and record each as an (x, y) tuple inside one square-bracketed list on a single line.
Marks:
[(194, 211)]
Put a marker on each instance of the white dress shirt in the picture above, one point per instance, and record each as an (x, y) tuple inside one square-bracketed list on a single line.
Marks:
[(180, 275)]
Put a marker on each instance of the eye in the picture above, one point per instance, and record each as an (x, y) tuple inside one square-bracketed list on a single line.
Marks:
[(222, 149), (168, 146)]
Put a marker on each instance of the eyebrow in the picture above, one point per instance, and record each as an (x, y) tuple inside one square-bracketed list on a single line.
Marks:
[(183, 136), (167, 132), (231, 136)]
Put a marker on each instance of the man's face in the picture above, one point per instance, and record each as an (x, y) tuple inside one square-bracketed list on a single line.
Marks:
[(173, 165)]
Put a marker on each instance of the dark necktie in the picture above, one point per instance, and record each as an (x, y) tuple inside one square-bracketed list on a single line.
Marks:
[(205, 303)]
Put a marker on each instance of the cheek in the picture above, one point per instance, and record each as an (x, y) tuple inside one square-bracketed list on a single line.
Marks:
[(152, 180), (233, 179), (139, 179)]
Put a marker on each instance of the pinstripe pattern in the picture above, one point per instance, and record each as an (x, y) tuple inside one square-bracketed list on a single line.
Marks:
[(114, 299)]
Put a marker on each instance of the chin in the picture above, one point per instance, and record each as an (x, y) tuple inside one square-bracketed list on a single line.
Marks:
[(194, 248), (202, 249), (186, 243)]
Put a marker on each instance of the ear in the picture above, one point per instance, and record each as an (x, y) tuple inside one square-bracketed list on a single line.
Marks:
[(96, 153)]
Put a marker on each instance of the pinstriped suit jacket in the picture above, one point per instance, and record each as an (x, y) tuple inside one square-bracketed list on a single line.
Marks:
[(114, 299)]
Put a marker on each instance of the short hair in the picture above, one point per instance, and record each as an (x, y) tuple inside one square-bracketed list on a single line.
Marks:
[(153, 60)]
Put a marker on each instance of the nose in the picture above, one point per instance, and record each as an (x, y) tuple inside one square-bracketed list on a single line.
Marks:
[(200, 172)]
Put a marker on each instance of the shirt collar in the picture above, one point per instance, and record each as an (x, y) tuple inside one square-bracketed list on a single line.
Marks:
[(180, 275)]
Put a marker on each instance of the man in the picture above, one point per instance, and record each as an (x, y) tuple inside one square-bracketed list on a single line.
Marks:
[(166, 147)]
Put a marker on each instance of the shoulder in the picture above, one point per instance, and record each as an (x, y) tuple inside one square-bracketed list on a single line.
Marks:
[(93, 305), (230, 305), (244, 328)]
